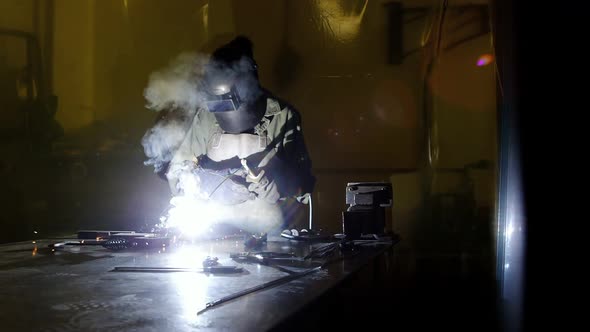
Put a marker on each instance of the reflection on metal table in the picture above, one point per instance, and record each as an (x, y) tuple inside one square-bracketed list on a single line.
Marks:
[(88, 287)]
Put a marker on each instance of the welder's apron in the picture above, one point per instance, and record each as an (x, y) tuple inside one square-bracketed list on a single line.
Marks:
[(223, 146), (240, 207), (224, 185)]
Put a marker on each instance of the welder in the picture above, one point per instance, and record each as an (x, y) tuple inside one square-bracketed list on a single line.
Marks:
[(245, 148)]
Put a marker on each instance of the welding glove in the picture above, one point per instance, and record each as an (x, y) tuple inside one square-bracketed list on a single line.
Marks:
[(223, 187), (304, 199), (265, 189)]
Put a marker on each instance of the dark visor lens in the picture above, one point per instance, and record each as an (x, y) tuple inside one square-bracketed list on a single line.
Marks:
[(223, 103)]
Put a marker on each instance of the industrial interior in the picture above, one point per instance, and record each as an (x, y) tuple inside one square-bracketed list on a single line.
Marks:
[(259, 165)]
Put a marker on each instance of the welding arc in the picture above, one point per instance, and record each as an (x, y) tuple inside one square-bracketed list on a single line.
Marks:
[(269, 284)]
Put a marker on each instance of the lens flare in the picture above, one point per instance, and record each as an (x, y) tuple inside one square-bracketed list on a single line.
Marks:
[(485, 60)]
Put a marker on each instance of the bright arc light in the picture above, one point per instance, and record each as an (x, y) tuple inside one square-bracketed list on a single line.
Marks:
[(191, 216)]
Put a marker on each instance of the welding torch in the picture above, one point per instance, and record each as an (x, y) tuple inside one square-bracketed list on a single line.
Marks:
[(251, 177)]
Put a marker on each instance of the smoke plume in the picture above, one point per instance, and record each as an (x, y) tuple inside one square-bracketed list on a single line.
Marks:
[(177, 85), (175, 93)]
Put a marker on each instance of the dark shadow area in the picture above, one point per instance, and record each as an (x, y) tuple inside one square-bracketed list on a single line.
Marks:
[(89, 180), (438, 297)]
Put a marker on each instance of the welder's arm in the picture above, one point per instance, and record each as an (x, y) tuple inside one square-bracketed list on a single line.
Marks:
[(293, 168), (193, 146)]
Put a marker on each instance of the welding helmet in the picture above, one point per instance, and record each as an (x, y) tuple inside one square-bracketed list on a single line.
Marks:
[(232, 90)]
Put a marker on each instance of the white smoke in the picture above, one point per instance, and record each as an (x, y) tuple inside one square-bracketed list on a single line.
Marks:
[(174, 92), (161, 141), (256, 216), (177, 85)]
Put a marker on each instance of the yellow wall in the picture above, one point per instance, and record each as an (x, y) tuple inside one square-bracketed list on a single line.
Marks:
[(133, 38), (73, 63), (17, 14)]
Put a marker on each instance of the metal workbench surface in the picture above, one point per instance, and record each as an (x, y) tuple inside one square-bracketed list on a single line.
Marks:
[(76, 289)]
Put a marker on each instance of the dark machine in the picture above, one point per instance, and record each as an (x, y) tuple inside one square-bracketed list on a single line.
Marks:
[(366, 208)]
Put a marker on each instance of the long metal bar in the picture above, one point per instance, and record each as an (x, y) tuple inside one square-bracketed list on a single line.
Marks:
[(209, 269), (269, 284), (247, 291)]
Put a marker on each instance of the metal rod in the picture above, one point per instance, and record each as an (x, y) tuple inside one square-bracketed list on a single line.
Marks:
[(154, 269), (76, 243), (210, 269), (269, 284)]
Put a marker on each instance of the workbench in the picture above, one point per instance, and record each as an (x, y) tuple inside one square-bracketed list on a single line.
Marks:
[(76, 288)]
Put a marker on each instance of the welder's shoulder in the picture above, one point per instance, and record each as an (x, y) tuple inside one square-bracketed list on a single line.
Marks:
[(278, 105), (204, 118), (201, 128)]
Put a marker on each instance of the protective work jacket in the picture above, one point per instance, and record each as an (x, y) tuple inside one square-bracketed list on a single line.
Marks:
[(274, 150)]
